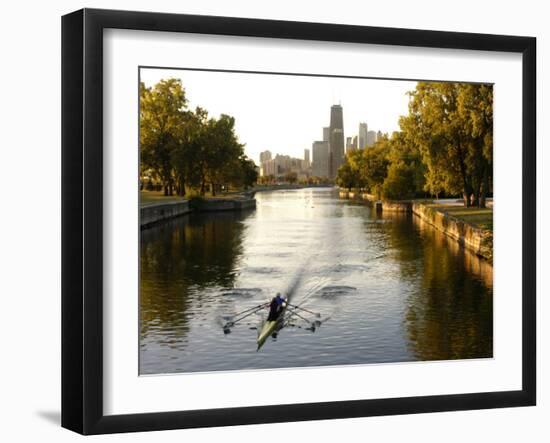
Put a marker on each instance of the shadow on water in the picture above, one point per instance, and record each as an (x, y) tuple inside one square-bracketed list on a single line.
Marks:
[(449, 307), (179, 260)]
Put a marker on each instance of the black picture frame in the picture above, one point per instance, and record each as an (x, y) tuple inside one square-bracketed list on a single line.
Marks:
[(82, 218)]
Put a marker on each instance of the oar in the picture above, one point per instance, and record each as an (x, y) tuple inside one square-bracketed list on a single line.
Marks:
[(250, 312), (303, 318), (317, 314)]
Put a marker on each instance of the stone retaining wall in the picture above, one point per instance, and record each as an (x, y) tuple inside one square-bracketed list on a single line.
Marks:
[(368, 197), (396, 206), (477, 240), (153, 213), (225, 204), (343, 194), (157, 212)]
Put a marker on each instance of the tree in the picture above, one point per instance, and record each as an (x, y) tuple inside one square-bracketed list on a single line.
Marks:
[(375, 166), (347, 176), (451, 126), (221, 149), (162, 114), (475, 107), (399, 183), (185, 155), (291, 177), (249, 172)]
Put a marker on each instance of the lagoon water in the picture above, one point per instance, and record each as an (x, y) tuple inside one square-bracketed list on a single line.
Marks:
[(388, 288)]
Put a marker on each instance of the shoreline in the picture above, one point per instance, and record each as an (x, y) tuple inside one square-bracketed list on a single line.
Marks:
[(286, 187), (152, 213), (473, 238), (155, 213)]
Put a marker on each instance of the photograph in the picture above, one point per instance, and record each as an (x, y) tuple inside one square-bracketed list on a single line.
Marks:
[(292, 220)]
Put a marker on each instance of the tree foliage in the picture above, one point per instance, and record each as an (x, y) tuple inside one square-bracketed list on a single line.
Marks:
[(445, 145), (162, 115), (184, 148), (451, 125), (399, 183)]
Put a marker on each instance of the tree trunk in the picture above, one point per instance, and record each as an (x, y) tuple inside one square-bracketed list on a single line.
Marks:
[(466, 187), (165, 190), (466, 198), (484, 188), (180, 187), (213, 186)]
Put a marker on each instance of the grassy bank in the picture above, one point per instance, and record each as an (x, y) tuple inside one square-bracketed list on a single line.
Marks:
[(154, 197), (478, 217)]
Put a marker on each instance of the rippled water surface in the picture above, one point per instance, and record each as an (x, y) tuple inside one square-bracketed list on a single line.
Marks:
[(388, 288)]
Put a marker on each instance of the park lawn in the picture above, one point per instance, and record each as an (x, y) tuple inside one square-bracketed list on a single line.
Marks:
[(151, 197), (479, 217)]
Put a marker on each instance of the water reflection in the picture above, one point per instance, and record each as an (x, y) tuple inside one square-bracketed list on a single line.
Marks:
[(179, 260), (449, 308), (394, 288)]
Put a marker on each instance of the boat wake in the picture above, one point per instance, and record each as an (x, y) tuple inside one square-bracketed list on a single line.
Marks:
[(241, 292), (334, 291)]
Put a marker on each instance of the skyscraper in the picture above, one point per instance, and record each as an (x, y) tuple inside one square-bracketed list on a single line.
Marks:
[(351, 144), (265, 156), (336, 140), (326, 134), (371, 138), (363, 129), (320, 164), (266, 165), (306, 158)]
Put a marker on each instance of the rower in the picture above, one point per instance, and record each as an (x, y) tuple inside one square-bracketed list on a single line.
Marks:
[(275, 307)]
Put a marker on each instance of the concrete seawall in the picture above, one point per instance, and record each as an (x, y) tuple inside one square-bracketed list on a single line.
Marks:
[(225, 204), (285, 187), (477, 240), (396, 206), (156, 212)]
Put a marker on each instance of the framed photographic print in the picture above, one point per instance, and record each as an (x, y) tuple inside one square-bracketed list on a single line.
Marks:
[(269, 221)]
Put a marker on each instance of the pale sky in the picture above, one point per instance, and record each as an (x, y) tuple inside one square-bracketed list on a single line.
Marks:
[(286, 114)]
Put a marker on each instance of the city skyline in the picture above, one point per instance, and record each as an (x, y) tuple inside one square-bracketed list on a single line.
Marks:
[(355, 141), (294, 109)]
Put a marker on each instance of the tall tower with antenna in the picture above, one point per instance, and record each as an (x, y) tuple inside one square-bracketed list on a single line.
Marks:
[(336, 139)]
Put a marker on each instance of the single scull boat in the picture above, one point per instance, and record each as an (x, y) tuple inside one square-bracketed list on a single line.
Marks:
[(270, 326)]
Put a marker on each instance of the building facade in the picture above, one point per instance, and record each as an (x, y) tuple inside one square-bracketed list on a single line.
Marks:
[(336, 140), (351, 144), (283, 164), (362, 138), (371, 138), (326, 134), (265, 156), (320, 158)]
